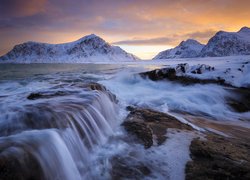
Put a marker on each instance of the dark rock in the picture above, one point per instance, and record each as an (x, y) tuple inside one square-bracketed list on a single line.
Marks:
[(17, 166), (170, 74), (127, 168), (100, 87), (141, 130), (241, 101), (219, 158), (147, 123), (96, 86), (46, 95), (160, 74), (89, 86), (130, 108)]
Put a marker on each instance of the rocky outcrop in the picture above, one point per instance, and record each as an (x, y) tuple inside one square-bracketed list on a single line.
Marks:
[(47, 113), (241, 101), (146, 124), (219, 157), (92, 86), (213, 156), (172, 75), (46, 95), (16, 166), (127, 168)]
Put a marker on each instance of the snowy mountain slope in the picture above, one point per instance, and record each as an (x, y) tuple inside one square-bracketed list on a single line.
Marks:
[(228, 44), (186, 49), (90, 48)]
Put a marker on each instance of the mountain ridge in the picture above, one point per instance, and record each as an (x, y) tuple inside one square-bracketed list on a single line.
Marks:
[(90, 48), (188, 48), (221, 44)]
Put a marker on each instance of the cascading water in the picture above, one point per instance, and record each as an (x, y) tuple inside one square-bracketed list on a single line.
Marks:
[(52, 135), (62, 125)]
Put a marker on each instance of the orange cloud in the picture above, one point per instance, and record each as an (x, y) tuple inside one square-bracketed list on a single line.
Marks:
[(137, 22)]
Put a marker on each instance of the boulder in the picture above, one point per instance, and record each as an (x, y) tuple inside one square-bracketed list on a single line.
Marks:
[(146, 124), (127, 168), (218, 157), (17, 165)]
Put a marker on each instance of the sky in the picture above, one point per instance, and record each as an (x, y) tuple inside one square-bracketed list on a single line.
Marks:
[(141, 27)]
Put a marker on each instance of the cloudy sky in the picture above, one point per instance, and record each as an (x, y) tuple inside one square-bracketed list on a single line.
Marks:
[(143, 27)]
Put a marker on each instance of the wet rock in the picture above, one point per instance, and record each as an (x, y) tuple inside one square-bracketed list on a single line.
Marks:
[(99, 87), (54, 93), (141, 130), (60, 113), (16, 166), (87, 86), (160, 74), (240, 103), (128, 168), (171, 75), (219, 157), (146, 124), (46, 95), (96, 86)]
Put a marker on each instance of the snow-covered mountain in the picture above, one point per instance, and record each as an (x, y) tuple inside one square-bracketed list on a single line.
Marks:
[(186, 49), (90, 48), (221, 44), (228, 44)]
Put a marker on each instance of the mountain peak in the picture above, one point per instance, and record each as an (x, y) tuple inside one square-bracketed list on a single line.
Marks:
[(190, 42), (186, 49), (89, 48), (228, 44), (244, 30), (89, 37)]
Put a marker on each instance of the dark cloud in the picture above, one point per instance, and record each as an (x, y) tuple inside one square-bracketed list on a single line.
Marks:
[(153, 41), (21, 8), (201, 34), (171, 40)]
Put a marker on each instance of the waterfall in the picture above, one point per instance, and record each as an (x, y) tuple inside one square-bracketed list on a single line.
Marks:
[(54, 138)]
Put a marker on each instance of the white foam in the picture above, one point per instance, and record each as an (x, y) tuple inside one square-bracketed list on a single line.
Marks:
[(166, 96)]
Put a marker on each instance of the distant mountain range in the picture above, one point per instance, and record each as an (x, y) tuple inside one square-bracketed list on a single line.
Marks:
[(221, 44), (90, 48)]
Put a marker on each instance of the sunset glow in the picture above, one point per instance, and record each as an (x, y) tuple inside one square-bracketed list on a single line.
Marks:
[(140, 27)]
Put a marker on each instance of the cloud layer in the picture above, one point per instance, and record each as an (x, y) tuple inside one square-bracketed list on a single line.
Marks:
[(130, 22)]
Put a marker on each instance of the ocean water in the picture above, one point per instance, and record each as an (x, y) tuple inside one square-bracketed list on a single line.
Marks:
[(76, 134)]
